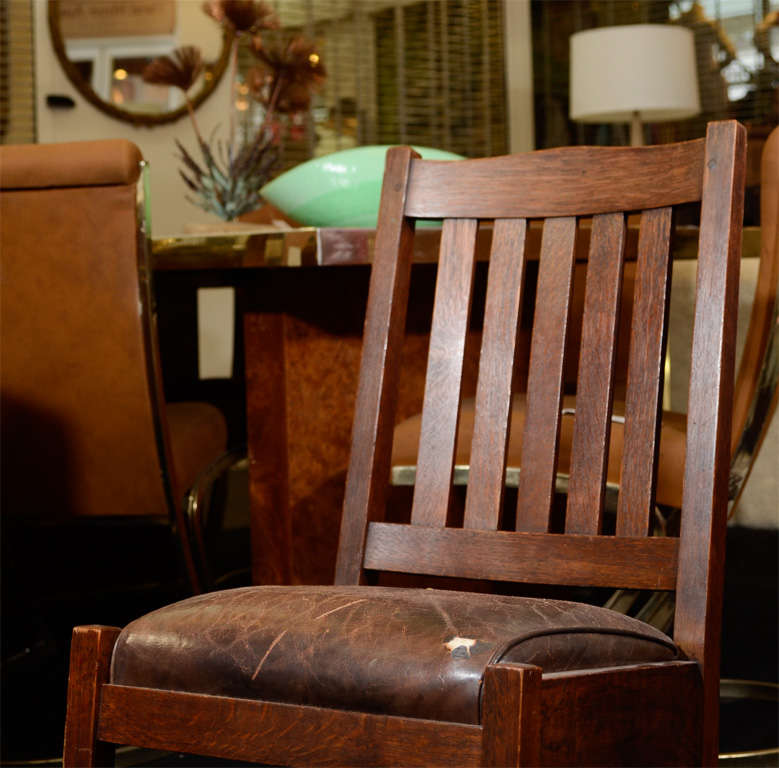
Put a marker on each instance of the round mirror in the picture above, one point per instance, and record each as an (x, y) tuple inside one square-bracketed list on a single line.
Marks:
[(104, 46)]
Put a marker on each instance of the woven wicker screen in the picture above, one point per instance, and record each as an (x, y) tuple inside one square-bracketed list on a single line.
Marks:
[(17, 74), (429, 73), (440, 76)]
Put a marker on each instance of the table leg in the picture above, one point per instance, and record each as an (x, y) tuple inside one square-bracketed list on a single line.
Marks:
[(301, 386), (270, 525), (302, 366)]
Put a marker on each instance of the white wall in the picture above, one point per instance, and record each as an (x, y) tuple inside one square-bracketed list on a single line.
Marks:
[(519, 75), (170, 210)]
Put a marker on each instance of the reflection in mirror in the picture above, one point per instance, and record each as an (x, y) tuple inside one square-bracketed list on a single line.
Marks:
[(104, 46)]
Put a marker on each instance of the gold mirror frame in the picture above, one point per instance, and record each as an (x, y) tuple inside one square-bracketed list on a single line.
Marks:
[(217, 70)]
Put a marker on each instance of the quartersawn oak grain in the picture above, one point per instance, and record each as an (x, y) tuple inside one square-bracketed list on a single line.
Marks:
[(636, 563), (573, 181), (441, 408), (660, 714), (496, 374), (595, 383), (90, 658), (643, 404), (511, 705), (546, 375), (270, 732), (612, 696), (366, 486), (704, 502)]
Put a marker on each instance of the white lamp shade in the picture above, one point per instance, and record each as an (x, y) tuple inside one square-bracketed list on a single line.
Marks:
[(647, 69)]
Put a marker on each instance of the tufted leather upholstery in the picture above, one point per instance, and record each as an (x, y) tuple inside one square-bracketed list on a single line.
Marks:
[(419, 653)]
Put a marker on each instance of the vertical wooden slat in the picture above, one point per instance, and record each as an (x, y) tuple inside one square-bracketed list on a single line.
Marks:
[(545, 377), (90, 662), (440, 410), (697, 622), (511, 712), (496, 369), (385, 319), (594, 387), (643, 405)]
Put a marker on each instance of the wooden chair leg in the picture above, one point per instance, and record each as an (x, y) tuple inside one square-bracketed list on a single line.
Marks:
[(90, 662), (511, 709)]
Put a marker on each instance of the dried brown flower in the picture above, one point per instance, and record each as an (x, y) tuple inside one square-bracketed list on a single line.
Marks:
[(181, 69), (242, 16), (288, 73)]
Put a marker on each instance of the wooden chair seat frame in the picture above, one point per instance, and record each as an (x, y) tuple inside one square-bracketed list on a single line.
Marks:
[(659, 714)]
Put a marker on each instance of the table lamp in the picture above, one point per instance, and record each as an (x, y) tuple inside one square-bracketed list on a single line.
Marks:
[(633, 73)]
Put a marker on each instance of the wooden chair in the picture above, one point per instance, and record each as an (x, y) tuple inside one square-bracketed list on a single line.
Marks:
[(87, 435), (359, 674), (751, 417)]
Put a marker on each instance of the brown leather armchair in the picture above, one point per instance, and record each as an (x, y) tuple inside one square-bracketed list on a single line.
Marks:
[(86, 434)]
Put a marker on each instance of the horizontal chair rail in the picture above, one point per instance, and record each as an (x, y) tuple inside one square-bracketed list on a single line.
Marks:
[(470, 188), (667, 694), (593, 561), (275, 733)]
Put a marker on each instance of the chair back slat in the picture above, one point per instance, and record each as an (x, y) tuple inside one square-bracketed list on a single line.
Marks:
[(496, 373), (441, 405), (488, 188), (643, 402), (545, 377), (594, 388)]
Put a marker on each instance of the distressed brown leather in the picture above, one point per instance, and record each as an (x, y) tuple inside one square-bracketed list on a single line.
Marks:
[(672, 444), (417, 653)]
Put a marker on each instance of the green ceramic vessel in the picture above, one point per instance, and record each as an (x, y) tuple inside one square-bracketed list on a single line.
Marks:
[(337, 190)]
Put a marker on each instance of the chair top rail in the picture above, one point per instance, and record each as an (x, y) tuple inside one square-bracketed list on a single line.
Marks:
[(556, 182)]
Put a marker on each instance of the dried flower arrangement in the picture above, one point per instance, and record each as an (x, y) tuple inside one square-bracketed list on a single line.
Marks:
[(227, 181)]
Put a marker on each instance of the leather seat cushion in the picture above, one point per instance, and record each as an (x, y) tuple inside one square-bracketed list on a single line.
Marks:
[(672, 444), (411, 652), (198, 436)]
